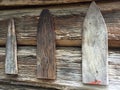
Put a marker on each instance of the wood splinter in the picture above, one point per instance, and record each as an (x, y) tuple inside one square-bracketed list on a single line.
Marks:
[(11, 50), (46, 65)]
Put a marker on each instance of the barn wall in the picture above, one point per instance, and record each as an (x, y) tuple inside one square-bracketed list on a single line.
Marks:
[(68, 18)]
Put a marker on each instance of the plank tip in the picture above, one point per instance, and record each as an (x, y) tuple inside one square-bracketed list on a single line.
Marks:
[(44, 12), (93, 4)]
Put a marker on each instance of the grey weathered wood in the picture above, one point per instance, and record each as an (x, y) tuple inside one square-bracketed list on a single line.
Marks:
[(46, 65), (11, 50), (69, 73), (94, 47)]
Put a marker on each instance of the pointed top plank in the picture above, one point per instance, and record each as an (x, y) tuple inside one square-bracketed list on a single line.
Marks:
[(94, 47), (11, 50), (46, 65)]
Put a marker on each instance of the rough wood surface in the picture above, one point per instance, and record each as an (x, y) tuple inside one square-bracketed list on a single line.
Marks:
[(21, 87), (67, 33), (94, 48), (46, 65), (37, 2), (11, 50), (68, 69)]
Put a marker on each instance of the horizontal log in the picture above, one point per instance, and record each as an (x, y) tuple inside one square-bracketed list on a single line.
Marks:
[(21, 87), (68, 24), (68, 63), (37, 2), (42, 3)]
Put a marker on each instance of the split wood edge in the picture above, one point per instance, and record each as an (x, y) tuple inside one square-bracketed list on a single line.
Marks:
[(11, 50)]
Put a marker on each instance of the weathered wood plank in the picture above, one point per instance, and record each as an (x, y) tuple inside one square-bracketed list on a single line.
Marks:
[(46, 65), (69, 69), (11, 50), (67, 33), (94, 47)]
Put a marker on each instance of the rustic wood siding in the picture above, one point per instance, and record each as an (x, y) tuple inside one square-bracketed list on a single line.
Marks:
[(69, 74), (68, 20), (68, 23)]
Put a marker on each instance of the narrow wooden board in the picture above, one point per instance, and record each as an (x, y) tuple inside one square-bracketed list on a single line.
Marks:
[(46, 66), (94, 48), (11, 50)]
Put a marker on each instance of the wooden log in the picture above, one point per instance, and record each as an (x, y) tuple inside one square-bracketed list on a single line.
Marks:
[(69, 69), (11, 50), (37, 2), (67, 33), (41, 2), (21, 87), (46, 65), (94, 48)]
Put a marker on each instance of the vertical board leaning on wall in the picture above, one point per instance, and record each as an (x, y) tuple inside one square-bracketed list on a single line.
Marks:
[(11, 50), (94, 48), (46, 65)]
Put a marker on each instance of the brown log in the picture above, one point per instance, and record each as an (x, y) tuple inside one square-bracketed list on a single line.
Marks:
[(69, 69), (68, 24), (46, 64)]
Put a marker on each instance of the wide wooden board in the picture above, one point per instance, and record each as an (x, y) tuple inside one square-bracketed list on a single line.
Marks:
[(11, 50), (46, 66), (94, 48)]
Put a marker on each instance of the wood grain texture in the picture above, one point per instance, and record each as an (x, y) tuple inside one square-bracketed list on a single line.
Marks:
[(94, 47), (67, 33), (21, 87), (11, 50), (46, 65), (69, 69), (37, 2)]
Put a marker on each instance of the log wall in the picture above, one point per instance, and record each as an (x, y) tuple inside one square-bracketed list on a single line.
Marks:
[(68, 20), (68, 23), (68, 69)]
